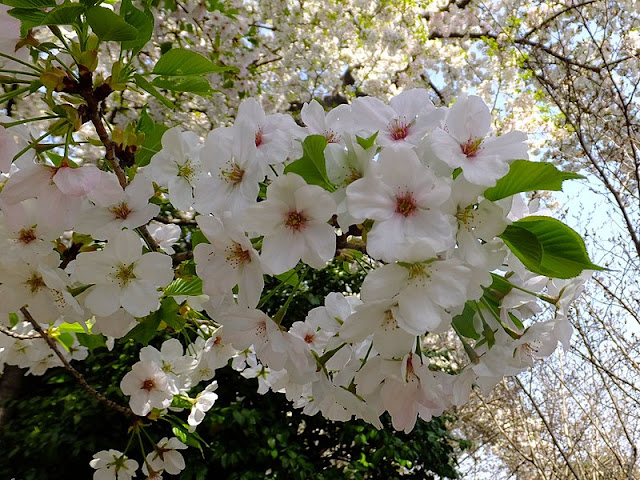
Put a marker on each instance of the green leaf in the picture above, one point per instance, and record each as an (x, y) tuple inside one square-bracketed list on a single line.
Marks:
[(109, 26), (311, 166), (63, 15), (197, 237), (180, 286), (190, 84), (143, 23), (463, 323), (548, 247), (66, 339), (91, 341), (150, 89), (28, 18), (152, 143), (290, 278), (30, 4), (367, 143), (146, 329), (71, 327), (181, 62), (526, 176)]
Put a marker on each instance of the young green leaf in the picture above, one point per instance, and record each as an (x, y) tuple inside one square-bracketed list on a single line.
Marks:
[(143, 23), (145, 85), (181, 62), (63, 15), (152, 138), (311, 166), (548, 247), (109, 26), (190, 84), (526, 176)]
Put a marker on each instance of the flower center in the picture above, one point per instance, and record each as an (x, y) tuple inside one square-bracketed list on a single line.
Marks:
[(233, 176), (331, 136), (35, 283), (125, 274), (472, 147), (405, 204), (27, 235), (120, 211), (148, 385), (389, 323), (238, 255), (399, 129), (186, 171), (309, 337), (295, 220), (259, 137)]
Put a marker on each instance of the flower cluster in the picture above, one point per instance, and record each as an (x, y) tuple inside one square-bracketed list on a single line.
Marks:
[(404, 191)]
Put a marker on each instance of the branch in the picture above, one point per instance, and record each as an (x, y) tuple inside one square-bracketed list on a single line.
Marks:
[(81, 380), (548, 427)]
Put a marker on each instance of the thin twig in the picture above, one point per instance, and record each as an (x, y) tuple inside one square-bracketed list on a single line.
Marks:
[(81, 380)]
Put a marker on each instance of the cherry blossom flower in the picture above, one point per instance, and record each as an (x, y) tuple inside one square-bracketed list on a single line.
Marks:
[(123, 276), (293, 221), (229, 260), (113, 465), (275, 136), (330, 124), (404, 198), (166, 457), (130, 210), (148, 386), (178, 167), (229, 154), (403, 123), (204, 401), (462, 143)]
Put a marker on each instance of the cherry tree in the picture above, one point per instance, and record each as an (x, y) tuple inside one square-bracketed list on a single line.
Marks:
[(425, 201)]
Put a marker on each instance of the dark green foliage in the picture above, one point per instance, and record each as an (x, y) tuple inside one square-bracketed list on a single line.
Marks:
[(54, 428)]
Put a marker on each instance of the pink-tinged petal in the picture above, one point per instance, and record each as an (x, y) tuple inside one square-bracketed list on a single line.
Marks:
[(103, 300), (369, 197), (284, 187), (265, 217), (108, 191), (386, 238), (411, 103), (125, 247), (94, 267), (250, 286), (372, 114), (484, 171), (155, 268), (8, 149), (468, 119), (398, 168), (416, 313), (211, 226), (77, 181), (447, 148), (180, 193), (282, 251), (321, 243), (140, 298), (384, 282), (26, 183), (316, 203), (510, 146), (250, 111), (313, 116)]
